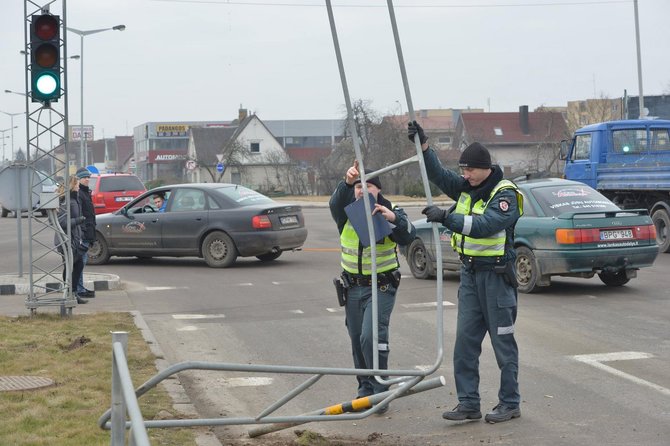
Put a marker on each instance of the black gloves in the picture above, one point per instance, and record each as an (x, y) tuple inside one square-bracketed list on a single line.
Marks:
[(414, 128), (435, 214)]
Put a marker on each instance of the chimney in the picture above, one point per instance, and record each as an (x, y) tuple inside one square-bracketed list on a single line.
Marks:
[(523, 120), (242, 114)]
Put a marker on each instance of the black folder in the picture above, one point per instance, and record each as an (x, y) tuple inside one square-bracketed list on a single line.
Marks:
[(356, 214)]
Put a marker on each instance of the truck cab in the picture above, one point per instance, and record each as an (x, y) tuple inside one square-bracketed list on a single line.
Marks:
[(628, 161)]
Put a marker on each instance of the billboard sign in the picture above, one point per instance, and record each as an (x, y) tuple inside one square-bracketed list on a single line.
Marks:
[(75, 132)]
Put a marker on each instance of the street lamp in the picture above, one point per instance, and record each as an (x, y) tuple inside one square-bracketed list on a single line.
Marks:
[(81, 34), (11, 118), (3, 140)]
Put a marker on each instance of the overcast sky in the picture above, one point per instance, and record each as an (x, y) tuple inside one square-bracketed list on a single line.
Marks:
[(199, 60)]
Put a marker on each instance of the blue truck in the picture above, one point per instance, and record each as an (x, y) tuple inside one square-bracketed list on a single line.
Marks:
[(628, 161)]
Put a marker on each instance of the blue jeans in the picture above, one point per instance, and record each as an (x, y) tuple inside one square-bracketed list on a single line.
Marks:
[(359, 325), (80, 284), (486, 303)]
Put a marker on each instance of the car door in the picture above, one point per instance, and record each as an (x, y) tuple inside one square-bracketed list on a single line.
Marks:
[(185, 221), (133, 230)]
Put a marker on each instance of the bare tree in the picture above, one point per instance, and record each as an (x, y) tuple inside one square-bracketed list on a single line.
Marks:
[(382, 142), (234, 154), (592, 111), (289, 176)]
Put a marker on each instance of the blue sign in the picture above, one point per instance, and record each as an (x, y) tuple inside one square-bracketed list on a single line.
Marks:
[(219, 167)]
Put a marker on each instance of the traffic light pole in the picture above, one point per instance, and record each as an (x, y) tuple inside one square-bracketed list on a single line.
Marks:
[(46, 94)]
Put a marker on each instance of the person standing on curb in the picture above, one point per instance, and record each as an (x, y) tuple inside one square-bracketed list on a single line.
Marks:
[(482, 224), (356, 262), (88, 229), (71, 193)]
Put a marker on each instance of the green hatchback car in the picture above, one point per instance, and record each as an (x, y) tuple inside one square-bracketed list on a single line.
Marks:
[(568, 229)]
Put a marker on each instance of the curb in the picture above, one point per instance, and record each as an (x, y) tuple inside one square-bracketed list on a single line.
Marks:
[(13, 284)]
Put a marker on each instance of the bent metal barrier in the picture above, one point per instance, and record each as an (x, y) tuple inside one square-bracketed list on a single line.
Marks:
[(409, 381)]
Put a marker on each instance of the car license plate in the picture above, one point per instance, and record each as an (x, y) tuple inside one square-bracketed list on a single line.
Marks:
[(617, 234), (289, 220), (123, 198)]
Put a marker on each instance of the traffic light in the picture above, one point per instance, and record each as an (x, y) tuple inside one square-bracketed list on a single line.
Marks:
[(45, 58)]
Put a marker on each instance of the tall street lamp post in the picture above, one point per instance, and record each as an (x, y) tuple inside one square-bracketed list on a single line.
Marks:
[(81, 34)]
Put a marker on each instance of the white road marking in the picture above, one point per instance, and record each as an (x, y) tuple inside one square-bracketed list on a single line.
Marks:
[(197, 316), (245, 284), (276, 283), (297, 312), (427, 305), (423, 368), (335, 310), (188, 328), (596, 360), (164, 288), (245, 382)]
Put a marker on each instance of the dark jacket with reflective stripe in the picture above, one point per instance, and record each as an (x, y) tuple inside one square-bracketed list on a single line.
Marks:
[(496, 217)]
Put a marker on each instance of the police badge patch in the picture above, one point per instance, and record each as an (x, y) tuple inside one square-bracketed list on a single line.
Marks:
[(504, 205)]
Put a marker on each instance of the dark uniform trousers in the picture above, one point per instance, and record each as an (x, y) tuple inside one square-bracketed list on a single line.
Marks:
[(359, 324), (485, 303)]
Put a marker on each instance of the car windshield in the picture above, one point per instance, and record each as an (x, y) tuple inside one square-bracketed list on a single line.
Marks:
[(243, 196), (555, 200)]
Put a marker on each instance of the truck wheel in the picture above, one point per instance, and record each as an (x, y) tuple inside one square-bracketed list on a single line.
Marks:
[(418, 261), (662, 222), (614, 279), (527, 270)]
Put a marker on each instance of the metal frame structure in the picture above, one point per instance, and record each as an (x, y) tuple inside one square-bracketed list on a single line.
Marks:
[(47, 122), (409, 381)]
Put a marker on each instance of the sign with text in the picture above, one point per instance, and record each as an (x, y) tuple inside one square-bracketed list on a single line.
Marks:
[(166, 156), (75, 132), (167, 130)]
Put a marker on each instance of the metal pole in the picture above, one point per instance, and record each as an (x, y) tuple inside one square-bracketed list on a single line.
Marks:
[(642, 113), (82, 149)]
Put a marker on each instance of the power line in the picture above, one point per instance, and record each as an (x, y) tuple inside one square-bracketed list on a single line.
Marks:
[(464, 6)]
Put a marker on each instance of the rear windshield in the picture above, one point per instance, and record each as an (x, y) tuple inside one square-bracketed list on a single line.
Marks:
[(243, 196), (120, 183), (555, 200)]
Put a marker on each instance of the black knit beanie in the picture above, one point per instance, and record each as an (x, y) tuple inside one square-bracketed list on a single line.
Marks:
[(374, 180), (475, 155)]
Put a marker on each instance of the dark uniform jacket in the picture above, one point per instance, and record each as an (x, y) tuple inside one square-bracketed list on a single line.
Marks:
[(403, 231), (497, 216)]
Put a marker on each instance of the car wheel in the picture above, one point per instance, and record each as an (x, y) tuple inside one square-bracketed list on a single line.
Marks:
[(98, 252), (270, 256), (5, 212), (219, 250), (527, 270), (419, 263), (662, 222), (618, 278)]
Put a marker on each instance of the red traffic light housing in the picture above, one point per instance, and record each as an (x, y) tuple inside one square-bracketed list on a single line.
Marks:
[(45, 58)]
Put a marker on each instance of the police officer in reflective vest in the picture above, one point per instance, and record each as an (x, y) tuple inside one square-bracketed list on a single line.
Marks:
[(482, 223), (356, 263)]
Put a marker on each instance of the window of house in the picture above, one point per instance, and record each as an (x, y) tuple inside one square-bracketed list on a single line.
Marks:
[(255, 147), (498, 131)]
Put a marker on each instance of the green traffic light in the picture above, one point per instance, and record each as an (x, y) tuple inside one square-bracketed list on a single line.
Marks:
[(46, 84)]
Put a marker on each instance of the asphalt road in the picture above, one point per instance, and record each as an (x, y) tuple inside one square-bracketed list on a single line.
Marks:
[(594, 360)]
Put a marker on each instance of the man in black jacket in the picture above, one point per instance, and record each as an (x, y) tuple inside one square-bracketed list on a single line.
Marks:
[(88, 228)]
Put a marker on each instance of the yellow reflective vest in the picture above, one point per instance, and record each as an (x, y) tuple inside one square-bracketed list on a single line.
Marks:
[(351, 262), (492, 246)]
